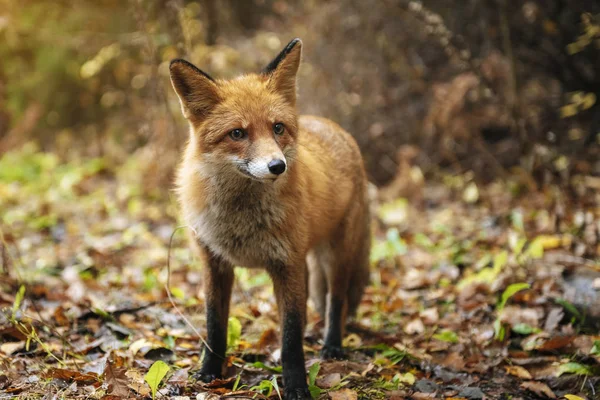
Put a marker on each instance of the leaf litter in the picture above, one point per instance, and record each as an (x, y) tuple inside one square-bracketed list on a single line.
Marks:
[(477, 292)]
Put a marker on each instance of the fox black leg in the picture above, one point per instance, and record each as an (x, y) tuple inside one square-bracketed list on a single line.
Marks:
[(289, 283), (332, 348), (218, 281)]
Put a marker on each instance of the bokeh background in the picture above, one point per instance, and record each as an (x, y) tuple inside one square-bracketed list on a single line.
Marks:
[(474, 85)]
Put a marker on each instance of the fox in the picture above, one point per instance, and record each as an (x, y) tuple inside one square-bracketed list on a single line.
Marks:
[(264, 187)]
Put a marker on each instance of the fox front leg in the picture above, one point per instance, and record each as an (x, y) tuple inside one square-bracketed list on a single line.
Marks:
[(290, 290), (218, 281)]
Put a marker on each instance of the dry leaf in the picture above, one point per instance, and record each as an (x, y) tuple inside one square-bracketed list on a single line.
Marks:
[(518, 371), (539, 388), (72, 376), (344, 394), (330, 380), (116, 379)]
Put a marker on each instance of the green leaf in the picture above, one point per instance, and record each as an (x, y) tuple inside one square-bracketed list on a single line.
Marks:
[(236, 383), (155, 375), (276, 387), (18, 300), (536, 248), (265, 387), (406, 378), (234, 332), (446, 336), (569, 307), (596, 348), (178, 293), (313, 371), (525, 329), (499, 330), (574, 368), (500, 261), (315, 391), (511, 291), (259, 364)]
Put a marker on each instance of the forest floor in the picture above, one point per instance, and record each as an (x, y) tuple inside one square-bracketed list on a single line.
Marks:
[(477, 292)]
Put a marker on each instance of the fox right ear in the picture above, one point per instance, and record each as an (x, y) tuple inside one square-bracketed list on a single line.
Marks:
[(197, 91)]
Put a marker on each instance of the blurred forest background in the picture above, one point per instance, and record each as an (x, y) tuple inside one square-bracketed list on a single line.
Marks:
[(481, 85)]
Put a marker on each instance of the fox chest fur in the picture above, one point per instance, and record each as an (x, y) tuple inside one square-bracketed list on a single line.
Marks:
[(242, 222)]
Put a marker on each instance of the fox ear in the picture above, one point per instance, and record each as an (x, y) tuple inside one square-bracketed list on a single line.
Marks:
[(197, 91), (282, 70)]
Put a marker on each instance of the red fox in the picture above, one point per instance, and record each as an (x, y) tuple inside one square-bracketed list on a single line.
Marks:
[(263, 187)]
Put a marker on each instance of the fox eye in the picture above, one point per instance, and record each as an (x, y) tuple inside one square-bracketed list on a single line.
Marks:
[(237, 134), (278, 128)]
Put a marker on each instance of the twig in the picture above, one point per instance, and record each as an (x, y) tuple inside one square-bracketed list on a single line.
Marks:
[(168, 290)]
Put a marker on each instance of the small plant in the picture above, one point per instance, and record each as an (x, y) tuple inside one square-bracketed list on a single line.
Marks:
[(313, 371), (510, 291), (234, 332), (446, 336), (265, 387), (155, 375), (393, 355)]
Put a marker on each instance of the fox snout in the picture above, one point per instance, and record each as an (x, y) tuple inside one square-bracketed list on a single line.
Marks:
[(269, 167)]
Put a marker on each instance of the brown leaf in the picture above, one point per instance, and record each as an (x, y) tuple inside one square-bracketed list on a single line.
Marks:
[(116, 379), (179, 377), (218, 383), (539, 388), (554, 317), (60, 317), (329, 381), (518, 371), (72, 376), (557, 342), (4, 382), (268, 338), (344, 394)]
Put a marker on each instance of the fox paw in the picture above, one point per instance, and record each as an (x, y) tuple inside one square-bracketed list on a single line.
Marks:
[(297, 394), (329, 352), (204, 377)]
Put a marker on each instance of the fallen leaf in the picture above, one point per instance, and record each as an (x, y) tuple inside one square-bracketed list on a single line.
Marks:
[(539, 388), (414, 327), (11, 347), (519, 371), (328, 381), (344, 394), (116, 379), (554, 317), (72, 376)]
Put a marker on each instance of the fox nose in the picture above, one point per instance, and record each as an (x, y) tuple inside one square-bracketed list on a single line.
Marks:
[(276, 167)]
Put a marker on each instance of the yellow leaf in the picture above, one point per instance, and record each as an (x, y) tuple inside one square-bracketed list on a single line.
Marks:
[(573, 48), (569, 110), (471, 193), (588, 100), (573, 397), (519, 371)]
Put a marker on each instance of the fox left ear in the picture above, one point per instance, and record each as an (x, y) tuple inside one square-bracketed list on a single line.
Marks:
[(283, 69), (197, 91)]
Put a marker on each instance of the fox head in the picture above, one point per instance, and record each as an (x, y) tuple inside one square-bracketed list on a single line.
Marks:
[(247, 125)]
